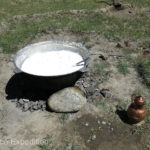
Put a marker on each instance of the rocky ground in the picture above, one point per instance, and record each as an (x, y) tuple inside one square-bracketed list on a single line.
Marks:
[(99, 125)]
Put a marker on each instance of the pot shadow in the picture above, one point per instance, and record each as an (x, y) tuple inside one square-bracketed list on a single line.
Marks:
[(123, 116), (35, 88)]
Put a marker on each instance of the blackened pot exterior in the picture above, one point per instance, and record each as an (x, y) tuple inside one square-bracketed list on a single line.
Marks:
[(51, 84)]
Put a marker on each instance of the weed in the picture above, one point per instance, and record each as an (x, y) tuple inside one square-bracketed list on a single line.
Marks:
[(147, 112), (143, 68), (141, 129), (85, 39), (138, 91), (63, 118), (101, 69), (47, 144), (22, 33), (121, 105), (122, 67), (130, 51), (130, 59)]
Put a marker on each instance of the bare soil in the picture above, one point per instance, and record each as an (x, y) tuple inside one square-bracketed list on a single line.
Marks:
[(111, 133)]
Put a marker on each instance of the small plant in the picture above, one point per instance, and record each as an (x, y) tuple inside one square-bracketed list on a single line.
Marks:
[(141, 129), (85, 39), (89, 46), (143, 68), (102, 71), (147, 112), (122, 67), (138, 91), (47, 144), (63, 118)]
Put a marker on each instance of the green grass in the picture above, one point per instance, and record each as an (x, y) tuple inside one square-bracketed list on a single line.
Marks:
[(148, 112), (21, 7), (102, 69), (143, 68), (138, 2), (19, 34), (122, 67), (63, 118)]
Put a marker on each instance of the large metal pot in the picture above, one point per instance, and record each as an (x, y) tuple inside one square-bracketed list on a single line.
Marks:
[(52, 83)]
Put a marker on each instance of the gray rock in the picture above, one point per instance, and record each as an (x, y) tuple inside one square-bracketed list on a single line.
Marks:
[(21, 101), (26, 107), (35, 107), (104, 10), (94, 137), (26, 100), (69, 99), (106, 93)]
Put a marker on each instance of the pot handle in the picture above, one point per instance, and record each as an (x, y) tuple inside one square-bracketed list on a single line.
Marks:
[(86, 61), (17, 70)]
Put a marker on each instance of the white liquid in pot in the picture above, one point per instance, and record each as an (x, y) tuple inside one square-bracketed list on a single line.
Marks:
[(52, 63)]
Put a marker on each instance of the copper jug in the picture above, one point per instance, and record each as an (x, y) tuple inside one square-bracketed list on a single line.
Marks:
[(136, 111)]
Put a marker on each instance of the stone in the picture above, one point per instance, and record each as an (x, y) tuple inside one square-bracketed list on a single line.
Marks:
[(86, 84), (25, 107), (103, 56), (35, 107), (21, 101), (119, 45), (70, 99), (94, 137), (106, 93), (104, 10), (103, 122), (87, 124), (26, 100)]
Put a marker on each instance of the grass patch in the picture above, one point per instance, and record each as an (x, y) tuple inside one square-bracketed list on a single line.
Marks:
[(122, 67), (85, 39), (144, 129), (139, 2), (143, 68), (22, 33), (138, 92), (21, 7), (47, 144), (63, 118), (148, 112), (102, 69)]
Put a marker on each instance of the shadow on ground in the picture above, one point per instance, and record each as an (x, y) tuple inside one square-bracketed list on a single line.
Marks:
[(34, 88)]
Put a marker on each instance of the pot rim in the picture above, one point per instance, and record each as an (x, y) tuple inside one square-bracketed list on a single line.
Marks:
[(79, 46)]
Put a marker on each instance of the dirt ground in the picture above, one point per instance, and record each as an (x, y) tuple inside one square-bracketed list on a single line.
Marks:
[(95, 127)]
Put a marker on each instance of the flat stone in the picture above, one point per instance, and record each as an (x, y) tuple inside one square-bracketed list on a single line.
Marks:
[(25, 100), (21, 101), (104, 10), (69, 99), (106, 93), (25, 107)]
